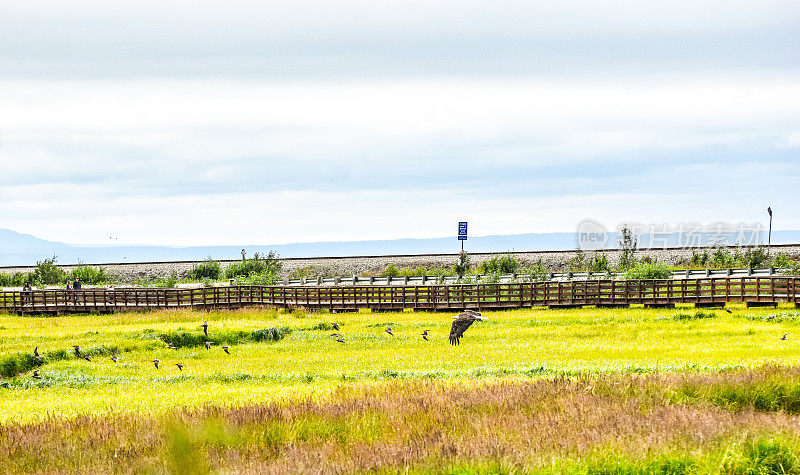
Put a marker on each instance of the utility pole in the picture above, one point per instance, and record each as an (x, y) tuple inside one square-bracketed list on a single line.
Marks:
[(769, 235)]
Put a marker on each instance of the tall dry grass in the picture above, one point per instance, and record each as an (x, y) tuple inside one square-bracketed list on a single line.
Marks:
[(577, 424)]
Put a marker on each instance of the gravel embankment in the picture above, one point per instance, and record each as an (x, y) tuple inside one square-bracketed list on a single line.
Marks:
[(357, 265)]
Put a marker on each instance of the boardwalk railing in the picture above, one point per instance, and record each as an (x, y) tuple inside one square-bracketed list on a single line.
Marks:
[(701, 292), (512, 278)]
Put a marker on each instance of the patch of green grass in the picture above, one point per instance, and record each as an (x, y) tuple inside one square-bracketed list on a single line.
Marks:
[(696, 315), (285, 355)]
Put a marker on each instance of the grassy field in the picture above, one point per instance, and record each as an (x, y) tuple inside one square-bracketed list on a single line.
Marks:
[(535, 389)]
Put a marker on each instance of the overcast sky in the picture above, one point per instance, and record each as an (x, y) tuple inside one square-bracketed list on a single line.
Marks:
[(198, 123)]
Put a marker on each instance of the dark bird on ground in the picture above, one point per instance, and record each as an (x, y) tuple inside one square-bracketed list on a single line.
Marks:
[(179, 365), (77, 350), (461, 323), (785, 336), (156, 361), (334, 334), (114, 356), (727, 310), (225, 349), (208, 345), (170, 346), (425, 335), (36, 375), (205, 328), (86, 357), (335, 326), (36, 354), (340, 339), (389, 331)]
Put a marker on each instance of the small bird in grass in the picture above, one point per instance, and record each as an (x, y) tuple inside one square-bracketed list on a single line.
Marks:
[(334, 334), (225, 349), (425, 335), (179, 365), (335, 326), (208, 345), (77, 350), (461, 323), (170, 346), (114, 356), (86, 357), (340, 339), (205, 328), (37, 355), (36, 375), (727, 310), (389, 331), (156, 361), (785, 336)]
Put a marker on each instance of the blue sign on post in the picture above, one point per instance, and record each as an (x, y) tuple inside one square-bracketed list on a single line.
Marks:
[(462, 230)]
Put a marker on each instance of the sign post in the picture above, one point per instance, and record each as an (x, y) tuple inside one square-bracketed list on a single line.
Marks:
[(462, 233)]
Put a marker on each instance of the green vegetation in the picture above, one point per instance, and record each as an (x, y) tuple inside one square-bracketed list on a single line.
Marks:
[(259, 264), (48, 273), (209, 269), (619, 390), (161, 282), (649, 270), (696, 315), (598, 262), (723, 258), (505, 264), (463, 265), (17, 279), (90, 275)]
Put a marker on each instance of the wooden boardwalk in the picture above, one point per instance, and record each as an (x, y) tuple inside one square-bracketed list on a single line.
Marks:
[(753, 291)]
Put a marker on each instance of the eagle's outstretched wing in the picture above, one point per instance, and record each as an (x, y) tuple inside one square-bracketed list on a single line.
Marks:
[(460, 325)]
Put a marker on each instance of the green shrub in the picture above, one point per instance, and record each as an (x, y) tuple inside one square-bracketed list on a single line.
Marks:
[(209, 269), (756, 257), (271, 334), (390, 271), (595, 263), (13, 365), (187, 339), (165, 282), (17, 279), (463, 265), (649, 270), (259, 264), (48, 273), (506, 264), (90, 275), (266, 277), (537, 271), (697, 315)]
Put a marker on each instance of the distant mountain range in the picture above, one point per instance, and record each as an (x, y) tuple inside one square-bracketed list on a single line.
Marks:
[(23, 249)]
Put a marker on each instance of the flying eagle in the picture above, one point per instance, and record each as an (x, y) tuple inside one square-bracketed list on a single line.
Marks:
[(461, 323)]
